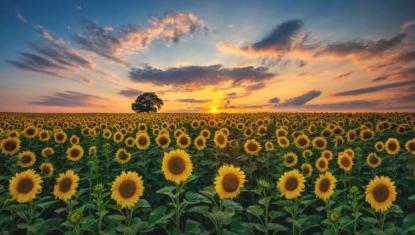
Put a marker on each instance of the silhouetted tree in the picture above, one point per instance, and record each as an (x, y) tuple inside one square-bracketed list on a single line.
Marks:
[(148, 102)]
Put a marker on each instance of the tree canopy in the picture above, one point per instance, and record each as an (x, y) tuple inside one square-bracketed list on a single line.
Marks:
[(147, 102)]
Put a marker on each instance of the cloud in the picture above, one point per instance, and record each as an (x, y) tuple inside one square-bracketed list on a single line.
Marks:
[(361, 49), (300, 100), (378, 79), (115, 43), (192, 101), (196, 76), (373, 89), (130, 92), (405, 57), (254, 87), (70, 99), (275, 100), (343, 75)]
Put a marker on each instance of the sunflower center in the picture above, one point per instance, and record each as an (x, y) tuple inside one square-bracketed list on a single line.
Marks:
[(205, 134), (142, 141), (366, 135), (183, 140), (302, 142), (322, 164), (163, 140), (411, 146), (30, 132), (45, 170), (248, 132), (65, 185), (380, 193), (319, 143), (290, 159), (199, 142), (127, 188), (291, 184), (25, 185), (221, 139), (324, 185), (10, 145), (123, 155), (26, 159), (59, 137), (43, 135), (392, 146), (345, 162), (306, 170), (373, 160), (75, 153), (176, 165), (230, 183), (252, 147)]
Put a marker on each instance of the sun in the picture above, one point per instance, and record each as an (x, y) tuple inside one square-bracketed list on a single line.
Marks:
[(213, 110)]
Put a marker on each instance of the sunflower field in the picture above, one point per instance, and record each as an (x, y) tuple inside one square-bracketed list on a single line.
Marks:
[(265, 173)]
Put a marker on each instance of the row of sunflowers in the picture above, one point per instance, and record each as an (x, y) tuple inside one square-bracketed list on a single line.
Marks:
[(265, 173)]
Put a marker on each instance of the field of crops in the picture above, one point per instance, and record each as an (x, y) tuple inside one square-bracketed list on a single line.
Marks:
[(270, 173)]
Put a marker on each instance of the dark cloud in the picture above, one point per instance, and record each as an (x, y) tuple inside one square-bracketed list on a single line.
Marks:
[(192, 101), (200, 75), (373, 89), (406, 57), (130, 93), (301, 100), (255, 87), (378, 79), (362, 49), (343, 75), (70, 99), (275, 100), (281, 37)]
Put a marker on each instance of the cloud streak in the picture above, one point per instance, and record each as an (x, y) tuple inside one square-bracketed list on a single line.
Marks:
[(373, 89), (130, 92), (70, 99)]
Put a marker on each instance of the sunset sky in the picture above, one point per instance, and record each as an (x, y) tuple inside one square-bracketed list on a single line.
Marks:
[(207, 56)]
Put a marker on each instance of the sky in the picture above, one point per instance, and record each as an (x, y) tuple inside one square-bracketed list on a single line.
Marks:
[(208, 56)]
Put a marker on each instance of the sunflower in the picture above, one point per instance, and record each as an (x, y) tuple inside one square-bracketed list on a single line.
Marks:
[(410, 146), (366, 134), (302, 141), (163, 140), (252, 147), (46, 152), (177, 166), (283, 142), (66, 185), (351, 136), (327, 154), (307, 153), (26, 159), (129, 142), (118, 137), (325, 185), (200, 143), (24, 186), (345, 162), (381, 193), (47, 169), (60, 137), (320, 143), (269, 146), (290, 159), (220, 140), (307, 169), (205, 133), (106, 134), (379, 146), (261, 130), (10, 146), (248, 132), (74, 139), (75, 153), (127, 189), (30, 132), (373, 160), (142, 141), (122, 156), (229, 181), (92, 150), (322, 164), (350, 152), (392, 146), (183, 141), (291, 184), (44, 136)]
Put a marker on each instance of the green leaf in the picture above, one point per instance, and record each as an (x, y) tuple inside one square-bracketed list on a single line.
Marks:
[(276, 227), (157, 216), (255, 210), (196, 197), (198, 209), (408, 224), (116, 217), (142, 203), (232, 204), (168, 190), (369, 220)]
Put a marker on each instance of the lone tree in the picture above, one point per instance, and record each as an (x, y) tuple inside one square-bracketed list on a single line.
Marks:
[(148, 102)]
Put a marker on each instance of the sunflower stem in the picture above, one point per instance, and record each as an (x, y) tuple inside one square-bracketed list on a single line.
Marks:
[(177, 206)]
